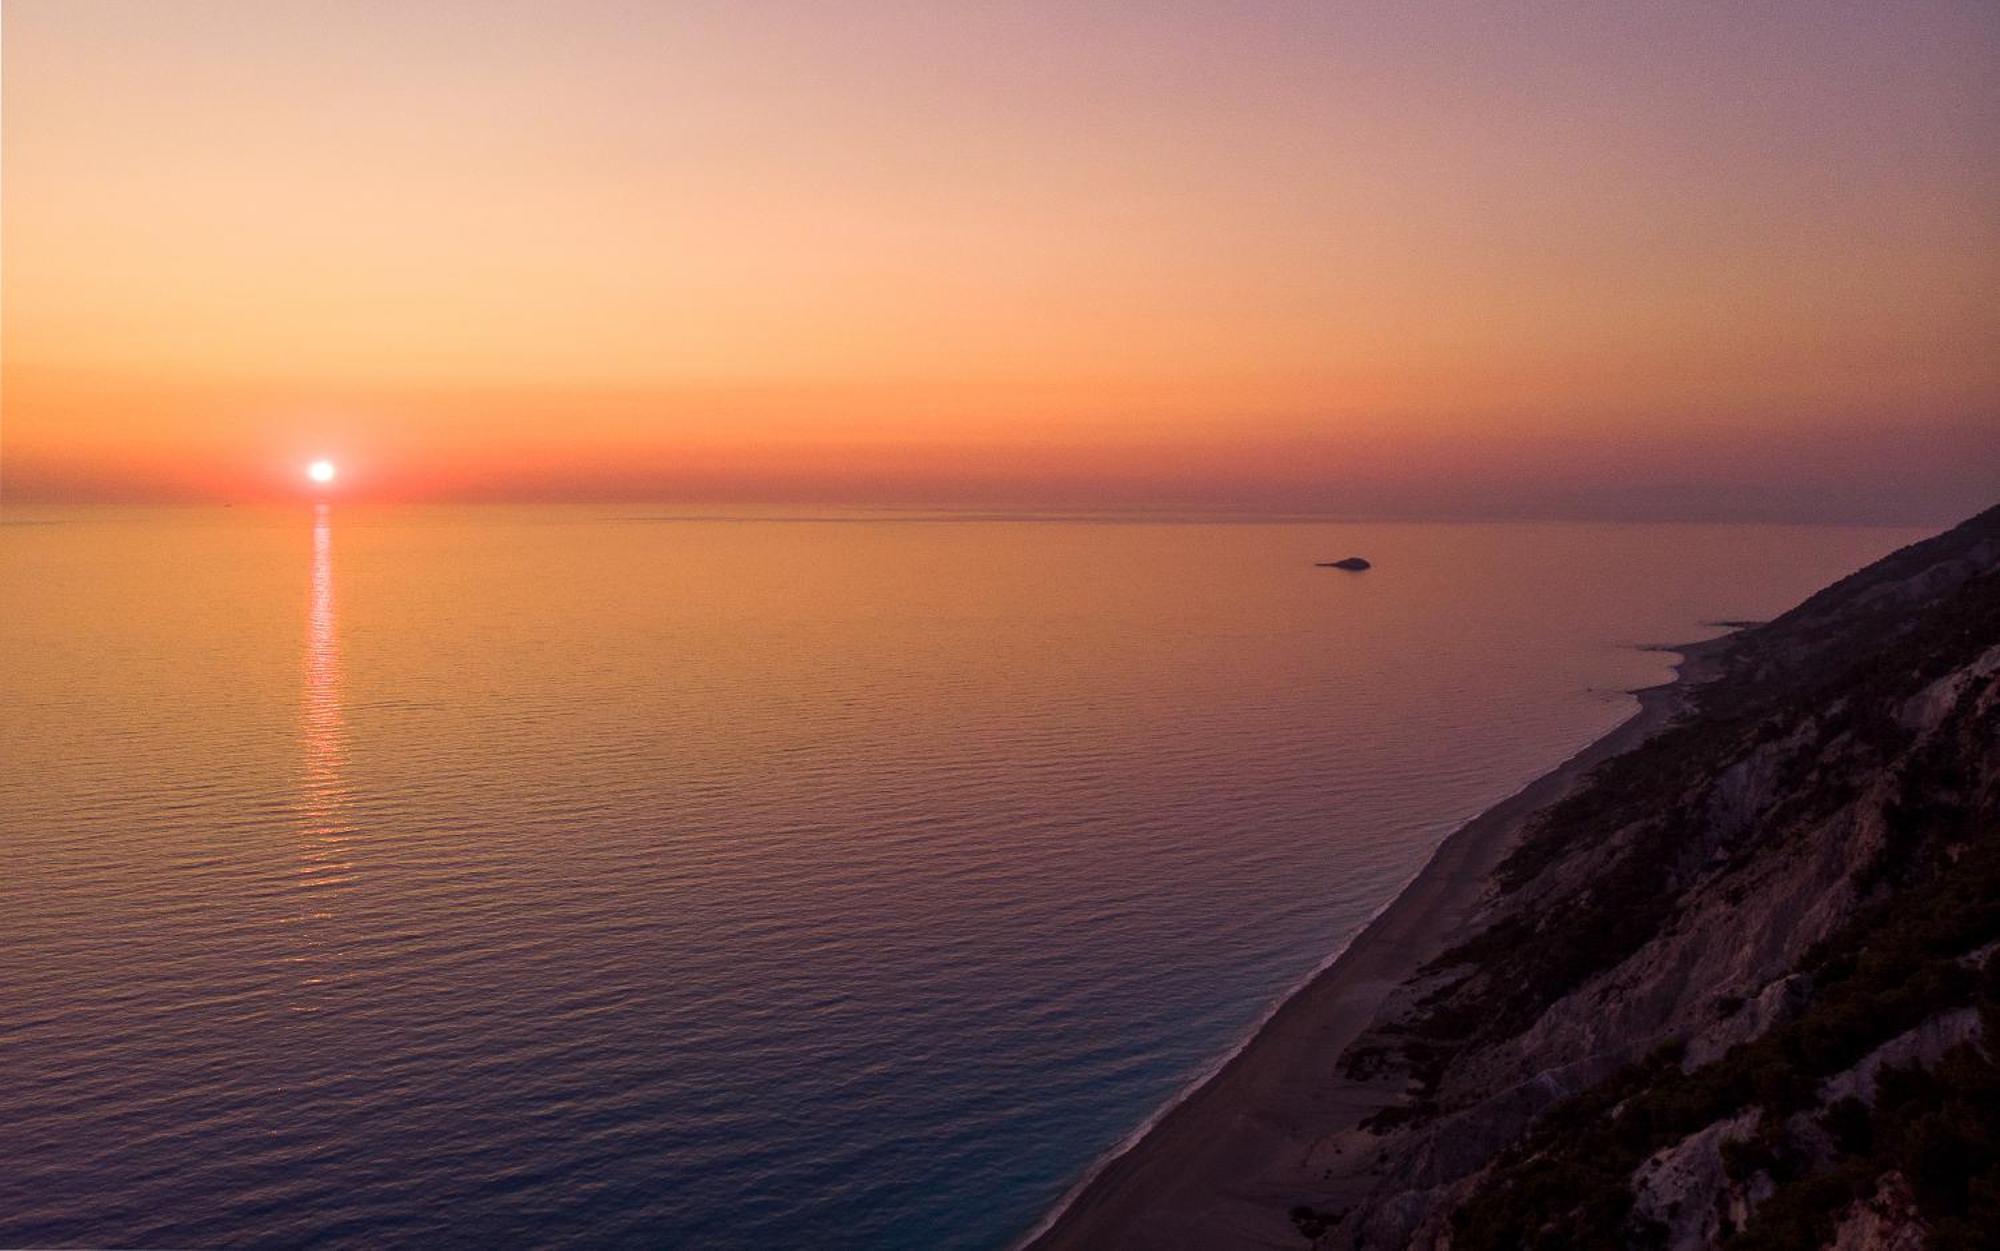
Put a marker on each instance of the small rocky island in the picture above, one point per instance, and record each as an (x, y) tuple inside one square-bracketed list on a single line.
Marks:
[(1353, 564)]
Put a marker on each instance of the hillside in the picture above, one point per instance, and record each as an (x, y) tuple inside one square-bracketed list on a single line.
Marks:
[(1733, 990)]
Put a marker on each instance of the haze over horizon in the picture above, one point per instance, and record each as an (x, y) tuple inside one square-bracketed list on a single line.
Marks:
[(1581, 261)]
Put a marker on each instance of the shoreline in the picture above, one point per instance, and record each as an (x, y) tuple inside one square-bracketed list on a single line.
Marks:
[(1207, 1165)]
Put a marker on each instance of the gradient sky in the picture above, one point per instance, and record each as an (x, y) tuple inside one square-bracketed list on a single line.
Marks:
[(1597, 259)]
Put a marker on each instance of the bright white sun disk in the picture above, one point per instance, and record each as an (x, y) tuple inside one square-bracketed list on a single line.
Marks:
[(321, 471)]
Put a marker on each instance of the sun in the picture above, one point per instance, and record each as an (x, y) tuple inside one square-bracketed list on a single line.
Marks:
[(321, 471)]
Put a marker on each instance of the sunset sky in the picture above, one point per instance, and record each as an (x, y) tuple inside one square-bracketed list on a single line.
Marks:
[(1596, 259)]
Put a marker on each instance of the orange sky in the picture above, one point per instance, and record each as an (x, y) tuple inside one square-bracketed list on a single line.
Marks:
[(1355, 258)]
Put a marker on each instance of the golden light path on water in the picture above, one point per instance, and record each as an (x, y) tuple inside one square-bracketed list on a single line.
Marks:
[(323, 854)]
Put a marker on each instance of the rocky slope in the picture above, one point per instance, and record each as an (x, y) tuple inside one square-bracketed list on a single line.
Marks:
[(1736, 990)]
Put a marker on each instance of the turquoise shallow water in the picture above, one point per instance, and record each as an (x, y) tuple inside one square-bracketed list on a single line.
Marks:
[(462, 877)]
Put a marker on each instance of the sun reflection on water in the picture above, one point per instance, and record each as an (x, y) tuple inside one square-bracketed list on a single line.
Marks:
[(324, 865)]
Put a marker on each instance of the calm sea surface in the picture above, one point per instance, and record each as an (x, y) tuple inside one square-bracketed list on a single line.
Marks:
[(500, 877)]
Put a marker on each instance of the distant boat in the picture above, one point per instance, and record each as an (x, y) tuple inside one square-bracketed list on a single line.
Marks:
[(1353, 564)]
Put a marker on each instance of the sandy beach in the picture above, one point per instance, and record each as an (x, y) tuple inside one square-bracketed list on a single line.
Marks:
[(1220, 1167)]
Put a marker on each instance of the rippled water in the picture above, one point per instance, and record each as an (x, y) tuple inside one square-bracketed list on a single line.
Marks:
[(493, 877)]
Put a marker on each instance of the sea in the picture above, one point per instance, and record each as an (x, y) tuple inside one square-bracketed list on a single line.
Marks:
[(625, 876)]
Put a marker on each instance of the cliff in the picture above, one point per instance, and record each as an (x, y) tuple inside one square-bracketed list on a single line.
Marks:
[(1735, 989)]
